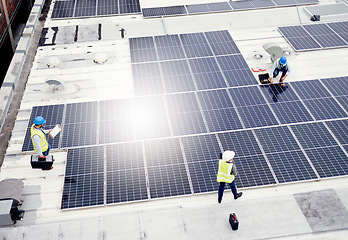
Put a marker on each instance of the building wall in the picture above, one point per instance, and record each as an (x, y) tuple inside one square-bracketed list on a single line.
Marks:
[(11, 7)]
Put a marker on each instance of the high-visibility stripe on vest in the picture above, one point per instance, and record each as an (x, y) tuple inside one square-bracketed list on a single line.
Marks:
[(224, 173), (43, 141), (278, 60)]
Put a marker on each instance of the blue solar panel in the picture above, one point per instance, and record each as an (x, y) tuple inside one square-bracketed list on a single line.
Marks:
[(313, 135), (291, 166), (153, 12), (177, 76), (279, 93), (340, 28), (175, 10), (107, 7), (203, 176), (291, 112), (310, 89), (222, 119), (325, 36), (63, 9), (282, 3), (129, 6), (276, 139), (221, 42), (241, 5), (247, 96), (169, 47), (147, 79), (263, 3), (343, 101), (206, 73), (337, 86), (142, 49), (257, 116), (219, 6), (85, 8), (340, 130), (248, 176), (299, 38), (325, 108), (242, 142), (329, 161), (197, 8), (195, 45)]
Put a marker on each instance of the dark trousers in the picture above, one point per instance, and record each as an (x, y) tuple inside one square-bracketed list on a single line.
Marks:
[(222, 188), (284, 70), (45, 153)]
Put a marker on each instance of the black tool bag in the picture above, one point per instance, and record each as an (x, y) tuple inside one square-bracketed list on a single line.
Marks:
[(44, 164), (234, 221), (264, 78)]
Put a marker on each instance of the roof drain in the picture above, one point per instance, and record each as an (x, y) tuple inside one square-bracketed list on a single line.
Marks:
[(58, 85), (100, 58)]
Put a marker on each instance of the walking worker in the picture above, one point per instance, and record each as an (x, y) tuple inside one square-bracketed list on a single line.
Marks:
[(281, 64), (41, 146), (226, 174)]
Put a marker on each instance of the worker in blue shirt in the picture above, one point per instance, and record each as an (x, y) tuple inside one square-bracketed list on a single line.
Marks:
[(226, 174), (41, 146), (281, 64)]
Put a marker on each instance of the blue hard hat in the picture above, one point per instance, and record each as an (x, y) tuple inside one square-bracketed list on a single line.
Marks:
[(39, 120), (282, 60)]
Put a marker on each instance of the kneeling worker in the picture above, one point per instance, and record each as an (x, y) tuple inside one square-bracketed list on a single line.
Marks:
[(281, 64), (226, 174), (41, 146)]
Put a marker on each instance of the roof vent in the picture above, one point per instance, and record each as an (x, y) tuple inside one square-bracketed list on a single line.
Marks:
[(274, 50), (58, 85), (53, 62), (100, 58)]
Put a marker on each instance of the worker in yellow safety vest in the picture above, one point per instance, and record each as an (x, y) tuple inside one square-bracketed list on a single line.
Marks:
[(41, 146), (226, 174), (280, 65)]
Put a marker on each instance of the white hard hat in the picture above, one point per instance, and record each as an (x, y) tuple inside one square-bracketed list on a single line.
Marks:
[(227, 155)]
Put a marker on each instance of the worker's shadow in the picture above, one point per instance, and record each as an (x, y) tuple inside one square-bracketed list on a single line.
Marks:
[(276, 89)]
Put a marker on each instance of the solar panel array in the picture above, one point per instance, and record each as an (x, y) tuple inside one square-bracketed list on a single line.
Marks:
[(316, 36), (89, 8), (166, 142), (220, 7)]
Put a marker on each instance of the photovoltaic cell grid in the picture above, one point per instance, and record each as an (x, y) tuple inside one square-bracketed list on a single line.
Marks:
[(316, 36), (220, 7), (89, 8)]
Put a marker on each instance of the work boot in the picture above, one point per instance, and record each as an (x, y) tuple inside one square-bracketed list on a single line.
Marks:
[(219, 200), (238, 195)]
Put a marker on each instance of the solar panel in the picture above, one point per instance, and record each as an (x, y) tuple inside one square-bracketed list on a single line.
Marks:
[(299, 38), (221, 42), (222, 119), (232, 62), (85, 160), (219, 6), (195, 45), (63, 9), (242, 142), (337, 86), (343, 101), (329, 161), (324, 35), (340, 130), (253, 171), (310, 89), (81, 112), (241, 5), (147, 79), (276, 139), (247, 96), (153, 12), (129, 6), (203, 176), (83, 190), (124, 156), (206, 73), (174, 10), (325, 108), (291, 166), (142, 49), (313, 135), (107, 7), (302, 2), (291, 112), (197, 8), (85, 8), (340, 28), (166, 170), (53, 114), (263, 3), (282, 3), (257, 116), (169, 47), (279, 93), (177, 76)]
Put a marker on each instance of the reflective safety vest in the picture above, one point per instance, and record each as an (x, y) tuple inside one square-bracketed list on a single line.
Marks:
[(224, 173), (43, 141), (278, 63)]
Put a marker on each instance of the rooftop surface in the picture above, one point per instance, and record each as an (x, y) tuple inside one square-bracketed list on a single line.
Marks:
[(303, 210)]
